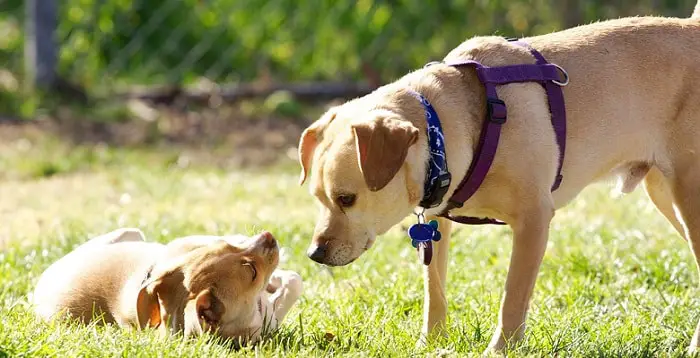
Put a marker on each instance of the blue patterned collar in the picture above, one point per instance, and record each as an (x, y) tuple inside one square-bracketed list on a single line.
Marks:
[(437, 177)]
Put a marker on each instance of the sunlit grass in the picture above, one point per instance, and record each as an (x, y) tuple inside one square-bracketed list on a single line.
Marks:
[(616, 280)]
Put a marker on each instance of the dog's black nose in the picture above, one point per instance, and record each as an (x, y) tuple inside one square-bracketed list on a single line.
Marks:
[(317, 253)]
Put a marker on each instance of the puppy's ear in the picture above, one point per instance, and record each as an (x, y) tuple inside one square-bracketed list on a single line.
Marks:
[(203, 313), (309, 140), (163, 289), (382, 145), (147, 307)]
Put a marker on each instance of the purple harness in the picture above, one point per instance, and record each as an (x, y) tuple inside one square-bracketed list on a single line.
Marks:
[(549, 76), (543, 72)]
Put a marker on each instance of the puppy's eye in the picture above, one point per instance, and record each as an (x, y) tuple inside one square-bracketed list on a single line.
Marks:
[(346, 200), (252, 269)]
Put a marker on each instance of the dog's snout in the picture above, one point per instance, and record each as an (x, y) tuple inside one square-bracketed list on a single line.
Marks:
[(317, 253)]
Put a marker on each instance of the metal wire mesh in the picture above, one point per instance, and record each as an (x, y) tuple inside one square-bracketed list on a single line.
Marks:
[(11, 55), (107, 45)]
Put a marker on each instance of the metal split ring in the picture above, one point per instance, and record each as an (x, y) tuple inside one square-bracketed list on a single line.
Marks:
[(566, 76), (420, 214)]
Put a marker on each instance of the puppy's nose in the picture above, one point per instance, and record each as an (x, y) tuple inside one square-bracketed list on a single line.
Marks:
[(317, 253), (269, 241)]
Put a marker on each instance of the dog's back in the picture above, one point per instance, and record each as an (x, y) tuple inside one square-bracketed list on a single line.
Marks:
[(89, 281)]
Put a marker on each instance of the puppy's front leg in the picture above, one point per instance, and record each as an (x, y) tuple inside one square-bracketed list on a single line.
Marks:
[(287, 287), (529, 243), (434, 277)]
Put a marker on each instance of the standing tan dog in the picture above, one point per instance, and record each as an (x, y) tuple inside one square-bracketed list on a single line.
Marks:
[(633, 108), (225, 284)]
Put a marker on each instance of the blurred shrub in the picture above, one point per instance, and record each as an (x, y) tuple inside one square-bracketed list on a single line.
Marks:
[(109, 43)]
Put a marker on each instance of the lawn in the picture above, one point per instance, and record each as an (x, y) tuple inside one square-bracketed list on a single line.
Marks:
[(616, 280)]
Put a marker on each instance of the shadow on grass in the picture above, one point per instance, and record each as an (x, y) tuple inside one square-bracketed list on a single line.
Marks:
[(71, 138)]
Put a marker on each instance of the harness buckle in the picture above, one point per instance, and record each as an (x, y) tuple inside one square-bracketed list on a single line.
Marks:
[(453, 204), (496, 110), (437, 191)]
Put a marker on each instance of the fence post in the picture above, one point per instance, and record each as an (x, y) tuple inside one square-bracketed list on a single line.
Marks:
[(40, 47)]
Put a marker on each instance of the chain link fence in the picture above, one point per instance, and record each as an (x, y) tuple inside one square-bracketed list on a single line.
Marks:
[(11, 56), (107, 47)]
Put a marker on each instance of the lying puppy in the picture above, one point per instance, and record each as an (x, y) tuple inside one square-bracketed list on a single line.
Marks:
[(632, 108), (225, 284)]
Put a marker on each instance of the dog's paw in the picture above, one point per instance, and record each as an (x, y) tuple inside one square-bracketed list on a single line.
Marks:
[(496, 348), (488, 352), (426, 338), (423, 341), (500, 342)]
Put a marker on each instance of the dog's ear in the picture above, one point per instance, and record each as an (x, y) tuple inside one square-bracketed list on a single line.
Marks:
[(147, 307), (203, 313), (166, 289), (309, 140), (382, 145)]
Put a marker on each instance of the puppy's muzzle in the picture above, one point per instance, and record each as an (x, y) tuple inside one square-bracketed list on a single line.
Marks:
[(264, 241), (264, 245)]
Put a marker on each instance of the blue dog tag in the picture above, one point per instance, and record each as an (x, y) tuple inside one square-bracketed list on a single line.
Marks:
[(420, 233), (424, 233), (436, 235)]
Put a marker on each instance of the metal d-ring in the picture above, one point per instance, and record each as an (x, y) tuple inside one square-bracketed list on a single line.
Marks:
[(431, 63), (420, 214), (566, 76)]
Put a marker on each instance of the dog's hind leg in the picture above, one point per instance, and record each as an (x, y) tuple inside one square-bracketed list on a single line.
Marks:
[(116, 236), (685, 186), (659, 191)]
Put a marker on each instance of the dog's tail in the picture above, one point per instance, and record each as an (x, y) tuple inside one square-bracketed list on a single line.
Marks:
[(696, 13)]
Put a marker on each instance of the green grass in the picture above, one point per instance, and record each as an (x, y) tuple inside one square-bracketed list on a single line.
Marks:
[(616, 280)]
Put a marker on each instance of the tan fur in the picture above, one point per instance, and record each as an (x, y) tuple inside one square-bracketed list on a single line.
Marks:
[(196, 284), (633, 111), (382, 145)]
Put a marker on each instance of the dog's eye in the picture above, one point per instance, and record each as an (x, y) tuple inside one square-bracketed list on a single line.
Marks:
[(252, 269), (346, 200)]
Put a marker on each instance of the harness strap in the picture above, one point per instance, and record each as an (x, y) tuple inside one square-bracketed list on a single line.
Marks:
[(518, 73), (557, 109), (485, 152), (548, 75)]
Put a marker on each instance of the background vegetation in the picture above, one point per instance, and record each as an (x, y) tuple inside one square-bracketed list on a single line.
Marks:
[(108, 44)]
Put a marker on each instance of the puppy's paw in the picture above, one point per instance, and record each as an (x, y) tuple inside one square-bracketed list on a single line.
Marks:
[(295, 283), (285, 279)]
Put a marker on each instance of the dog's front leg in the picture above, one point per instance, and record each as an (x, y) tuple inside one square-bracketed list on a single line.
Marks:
[(434, 276), (530, 235)]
